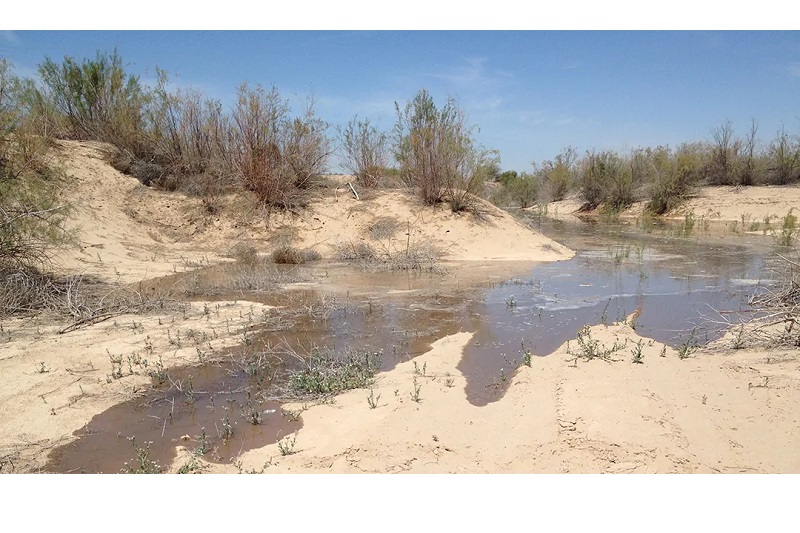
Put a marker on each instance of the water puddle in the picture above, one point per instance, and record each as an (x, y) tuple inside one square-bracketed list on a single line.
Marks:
[(684, 290)]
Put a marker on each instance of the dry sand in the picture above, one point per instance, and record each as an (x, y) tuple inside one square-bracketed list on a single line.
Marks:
[(720, 410)]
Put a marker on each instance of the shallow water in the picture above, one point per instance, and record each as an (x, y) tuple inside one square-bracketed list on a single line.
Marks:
[(684, 289)]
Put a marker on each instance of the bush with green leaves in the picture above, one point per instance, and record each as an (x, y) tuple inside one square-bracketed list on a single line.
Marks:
[(31, 209), (365, 152), (92, 99), (438, 154)]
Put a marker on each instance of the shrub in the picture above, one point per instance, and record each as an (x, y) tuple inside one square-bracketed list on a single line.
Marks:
[(557, 176), (366, 153), (523, 190), (725, 156), (31, 210), (674, 176), (437, 153), (604, 178), (276, 157), (784, 160), (94, 99)]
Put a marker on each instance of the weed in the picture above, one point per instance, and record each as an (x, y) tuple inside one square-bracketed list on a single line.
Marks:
[(326, 372), (143, 464), (511, 303), (449, 382), (526, 356), (786, 235), (420, 371), (202, 443), (591, 349), (189, 467), (663, 352), (227, 428), (689, 346), (738, 341), (286, 446), (373, 400), (415, 393), (637, 353)]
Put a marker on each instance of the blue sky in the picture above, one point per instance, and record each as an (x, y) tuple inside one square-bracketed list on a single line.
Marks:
[(531, 93)]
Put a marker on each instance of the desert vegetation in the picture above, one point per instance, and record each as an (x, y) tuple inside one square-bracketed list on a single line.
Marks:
[(662, 176)]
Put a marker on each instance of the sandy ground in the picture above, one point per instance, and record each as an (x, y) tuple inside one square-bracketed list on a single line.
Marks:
[(723, 204), (721, 410)]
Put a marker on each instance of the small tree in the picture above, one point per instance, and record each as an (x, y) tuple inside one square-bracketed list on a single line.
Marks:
[(784, 159), (95, 100), (437, 153), (275, 156), (725, 155), (31, 214), (366, 154)]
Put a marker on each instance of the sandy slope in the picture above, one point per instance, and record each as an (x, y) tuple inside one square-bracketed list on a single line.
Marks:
[(129, 232), (708, 413)]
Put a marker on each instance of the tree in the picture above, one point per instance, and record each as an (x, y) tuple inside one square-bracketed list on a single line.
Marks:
[(438, 154)]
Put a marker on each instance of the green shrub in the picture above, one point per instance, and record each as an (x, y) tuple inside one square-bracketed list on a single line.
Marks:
[(605, 178), (438, 154), (366, 152)]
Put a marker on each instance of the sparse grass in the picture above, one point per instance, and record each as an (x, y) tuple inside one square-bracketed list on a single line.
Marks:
[(410, 256), (590, 348), (143, 464), (325, 372)]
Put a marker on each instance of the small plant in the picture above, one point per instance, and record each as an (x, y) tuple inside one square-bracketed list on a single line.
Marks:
[(591, 349), (688, 347), (286, 446), (41, 368), (637, 353), (738, 341), (526, 356), (786, 235), (415, 393), (449, 382), (373, 400), (189, 467), (511, 303), (326, 372), (202, 443), (227, 428), (663, 351), (143, 464)]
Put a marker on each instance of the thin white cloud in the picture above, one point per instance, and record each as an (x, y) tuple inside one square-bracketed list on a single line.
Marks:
[(10, 37), (793, 69)]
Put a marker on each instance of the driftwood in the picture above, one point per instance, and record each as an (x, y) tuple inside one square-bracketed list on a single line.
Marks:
[(353, 189)]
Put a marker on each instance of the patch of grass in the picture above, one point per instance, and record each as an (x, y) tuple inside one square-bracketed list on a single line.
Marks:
[(286, 446), (325, 372), (637, 353), (689, 346), (590, 348)]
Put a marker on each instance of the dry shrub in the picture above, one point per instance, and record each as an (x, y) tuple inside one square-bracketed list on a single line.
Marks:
[(274, 156), (286, 255), (383, 228), (245, 254), (366, 152), (422, 257)]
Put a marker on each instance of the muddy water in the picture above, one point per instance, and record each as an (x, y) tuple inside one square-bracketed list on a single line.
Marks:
[(684, 288)]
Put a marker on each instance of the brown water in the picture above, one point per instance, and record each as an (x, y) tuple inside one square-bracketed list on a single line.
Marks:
[(680, 285)]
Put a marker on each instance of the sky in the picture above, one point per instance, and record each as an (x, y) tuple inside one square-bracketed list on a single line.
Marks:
[(529, 93)]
